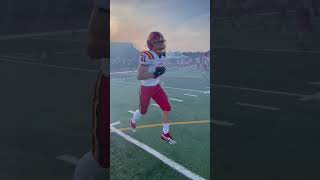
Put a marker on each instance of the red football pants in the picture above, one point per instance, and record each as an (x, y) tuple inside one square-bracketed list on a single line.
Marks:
[(157, 94)]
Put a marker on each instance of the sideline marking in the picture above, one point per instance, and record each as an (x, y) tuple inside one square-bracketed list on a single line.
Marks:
[(217, 122), (314, 83), (261, 90), (173, 99), (258, 106), (155, 105), (190, 95), (7, 37), (158, 155)]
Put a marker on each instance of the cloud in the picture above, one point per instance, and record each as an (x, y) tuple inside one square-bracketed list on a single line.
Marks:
[(132, 22)]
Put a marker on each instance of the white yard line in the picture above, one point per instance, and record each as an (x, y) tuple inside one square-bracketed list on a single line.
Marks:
[(314, 83), (69, 52), (48, 65), (184, 171), (123, 72), (223, 123), (168, 87), (15, 36), (192, 90), (272, 50), (131, 112), (207, 92), (56, 39), (173, 99), (191, 95), (261, 90), (191, 77), (68, 158), (115, 123), (315, 96), (155, 105), (258, 106), (22, 58)]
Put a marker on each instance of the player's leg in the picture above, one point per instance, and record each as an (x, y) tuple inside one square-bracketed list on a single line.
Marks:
[(145, 94), (161, 98)]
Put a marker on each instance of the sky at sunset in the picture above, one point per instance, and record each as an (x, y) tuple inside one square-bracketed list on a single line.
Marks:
[(184, 23)]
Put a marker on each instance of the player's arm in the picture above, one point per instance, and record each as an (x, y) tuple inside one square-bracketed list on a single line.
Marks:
[(98, 31), (143, 73)]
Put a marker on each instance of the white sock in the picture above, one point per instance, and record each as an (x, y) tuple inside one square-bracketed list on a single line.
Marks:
[(165, 128), (87, 168), (136, 116)]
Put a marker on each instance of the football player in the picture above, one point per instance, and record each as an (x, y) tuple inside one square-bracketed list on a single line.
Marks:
[(151, 67), (98, 158)]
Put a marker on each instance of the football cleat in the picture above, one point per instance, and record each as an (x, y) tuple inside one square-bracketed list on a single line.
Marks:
[(132, 125), (167, 137)]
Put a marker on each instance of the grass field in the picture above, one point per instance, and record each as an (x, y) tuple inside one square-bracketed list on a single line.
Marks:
[(47, 85), (45, 106), (190, 111), (269, 88)]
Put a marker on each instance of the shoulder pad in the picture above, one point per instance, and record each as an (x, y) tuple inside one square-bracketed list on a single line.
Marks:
[(149, 54)]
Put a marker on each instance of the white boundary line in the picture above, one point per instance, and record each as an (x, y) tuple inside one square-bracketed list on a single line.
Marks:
[(68, 158), (69, 52), (311, 97), (158, 155), (260, 90), (178, 100), (22, 58), (6, 37), (191, 95), (123, 72), (258, 106), (115, 123), (56, 39), (192, 90), (191, 77), (272, 50), (48, 65), (155, 105), (223, 123), (314, 83)]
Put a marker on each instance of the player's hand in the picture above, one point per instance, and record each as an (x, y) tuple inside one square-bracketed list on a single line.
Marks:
[(159, 71)]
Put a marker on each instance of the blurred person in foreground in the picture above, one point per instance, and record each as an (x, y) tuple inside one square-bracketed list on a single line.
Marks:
[(98, 159)]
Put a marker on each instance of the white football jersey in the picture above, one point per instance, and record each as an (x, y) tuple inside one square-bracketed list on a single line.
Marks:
[(152, 60)]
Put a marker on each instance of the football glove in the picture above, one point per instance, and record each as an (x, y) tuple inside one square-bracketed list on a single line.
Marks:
[(159, 71)]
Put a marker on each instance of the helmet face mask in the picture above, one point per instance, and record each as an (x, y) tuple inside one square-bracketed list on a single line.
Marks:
[(156, 41)]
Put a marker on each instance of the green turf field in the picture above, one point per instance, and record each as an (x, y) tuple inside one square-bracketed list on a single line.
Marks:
[(190, 112), (47, 85), (269, 88), (45, 108)]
